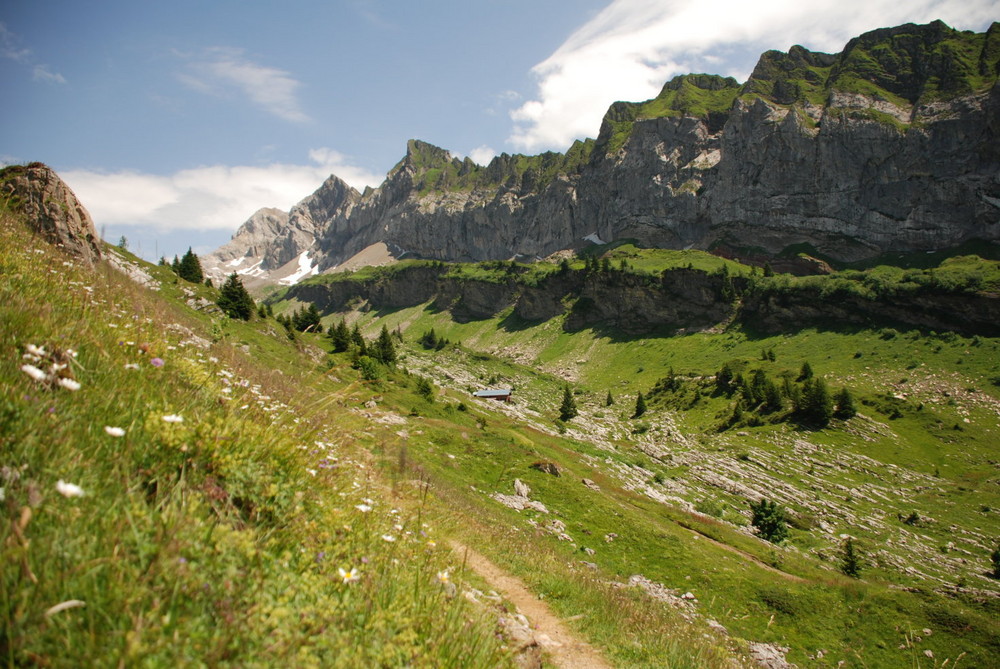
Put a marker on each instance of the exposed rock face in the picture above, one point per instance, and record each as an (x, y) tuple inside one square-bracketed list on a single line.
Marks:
[(888, 146), (51, 208)]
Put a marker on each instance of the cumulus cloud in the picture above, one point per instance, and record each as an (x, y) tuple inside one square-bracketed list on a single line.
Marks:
[(217, 197), (482, 155), (631, 48), (221, 69)]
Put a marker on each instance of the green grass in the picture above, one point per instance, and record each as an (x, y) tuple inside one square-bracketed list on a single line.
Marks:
[(216, 540)]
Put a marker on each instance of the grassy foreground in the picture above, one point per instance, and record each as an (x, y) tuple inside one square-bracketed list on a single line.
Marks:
[(168, 501)]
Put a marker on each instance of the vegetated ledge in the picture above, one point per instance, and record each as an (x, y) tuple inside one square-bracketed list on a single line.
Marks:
[(959, 296)]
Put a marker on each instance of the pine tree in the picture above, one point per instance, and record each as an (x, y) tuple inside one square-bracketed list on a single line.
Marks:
[(640, 405), (852, 559), (845, 408), (176, 265), (359, 341), (384, 350), (234, 300), (429, 340), (568, 408), (815, 404), (806, 373), (340, 337), (769, 519), (609, 400), (189, 268), (995, 557)]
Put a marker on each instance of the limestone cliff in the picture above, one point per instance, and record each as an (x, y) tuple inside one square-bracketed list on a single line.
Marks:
[(51, 208), (889, 146)]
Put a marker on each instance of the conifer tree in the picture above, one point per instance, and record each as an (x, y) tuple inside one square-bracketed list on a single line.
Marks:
[(995, 557), (340, 337), (852, 559), (806, 373), (640, 405), (176, 266), (609, 400), (815, 404), (384, 350), (359, 341), (189, 268), (234, 300), (845, 408), (769, 519), (568, 408)]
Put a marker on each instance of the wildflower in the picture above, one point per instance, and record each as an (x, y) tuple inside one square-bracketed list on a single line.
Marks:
[(68, 489), (114, 431), (388, 538), (34, 372), (69, 384), (131, 365), (349, 575), (37, 351), (431, 543), (443, 577), (363, 508), (156, 362), (173, 418)]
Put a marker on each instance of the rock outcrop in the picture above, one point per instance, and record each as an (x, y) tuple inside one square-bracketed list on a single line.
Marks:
[(888, 146), (51, 208)]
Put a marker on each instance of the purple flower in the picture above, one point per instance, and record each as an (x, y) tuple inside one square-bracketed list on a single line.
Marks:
[(156, 362)]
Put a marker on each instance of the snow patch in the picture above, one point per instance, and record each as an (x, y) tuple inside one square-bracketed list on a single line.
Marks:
[(593, 238), (252, 270), (305, 269)]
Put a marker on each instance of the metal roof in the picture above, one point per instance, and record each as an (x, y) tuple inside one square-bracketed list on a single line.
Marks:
[(493, 392)]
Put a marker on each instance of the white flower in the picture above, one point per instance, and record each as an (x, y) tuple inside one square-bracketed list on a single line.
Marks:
[(349, 575), (388, 538), (443, 577), (131, 365), (69, 384), (114, 431), (363, 508), (37, 351), (68, 489), (173, 418), (34, 372)]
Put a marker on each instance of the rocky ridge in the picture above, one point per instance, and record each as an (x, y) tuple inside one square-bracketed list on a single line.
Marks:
[(888, 146)]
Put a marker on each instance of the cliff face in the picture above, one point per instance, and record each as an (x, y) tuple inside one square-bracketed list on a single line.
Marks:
[(52, 208), (891, 145)]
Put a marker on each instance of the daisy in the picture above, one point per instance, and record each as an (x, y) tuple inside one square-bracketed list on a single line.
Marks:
[(173, 418), (68, 489), (114, 431), (363, 508), (36, 351), (69, 384), (388, 538), (34, 372), (131, 365), (349, 575), (443, 577)]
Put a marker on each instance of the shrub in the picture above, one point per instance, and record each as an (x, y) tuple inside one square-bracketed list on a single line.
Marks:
[(769, 519)]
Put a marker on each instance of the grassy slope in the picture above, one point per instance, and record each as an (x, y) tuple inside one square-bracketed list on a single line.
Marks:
[(217, 540), (923, 443)]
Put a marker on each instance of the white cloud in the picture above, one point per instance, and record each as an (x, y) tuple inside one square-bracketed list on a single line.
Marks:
[(482, 155), (217, 197), (630, 49), (221, 69), (43, 73), (10, 49)]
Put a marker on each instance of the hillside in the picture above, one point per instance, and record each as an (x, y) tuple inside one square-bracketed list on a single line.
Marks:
[(885, 147), (180, 487)]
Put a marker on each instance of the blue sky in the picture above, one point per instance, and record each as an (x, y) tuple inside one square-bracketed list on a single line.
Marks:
[(175, 121)]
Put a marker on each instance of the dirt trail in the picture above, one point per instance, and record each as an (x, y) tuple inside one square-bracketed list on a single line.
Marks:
[(564, 648)]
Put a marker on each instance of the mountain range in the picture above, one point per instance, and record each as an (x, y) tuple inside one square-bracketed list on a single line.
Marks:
[(889, 146)]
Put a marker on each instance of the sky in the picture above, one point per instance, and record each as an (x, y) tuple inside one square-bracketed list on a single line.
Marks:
[(174, 122)]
